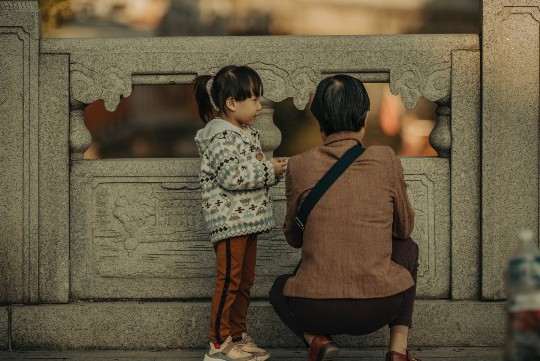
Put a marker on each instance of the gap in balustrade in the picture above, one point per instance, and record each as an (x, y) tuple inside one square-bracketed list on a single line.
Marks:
[(389, 123), (155, 121), (160, 121)]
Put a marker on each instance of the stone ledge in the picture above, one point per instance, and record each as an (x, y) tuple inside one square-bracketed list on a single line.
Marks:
[(171, 325)]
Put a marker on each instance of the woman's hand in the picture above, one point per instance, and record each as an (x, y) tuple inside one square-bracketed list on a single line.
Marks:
[(280, 166)]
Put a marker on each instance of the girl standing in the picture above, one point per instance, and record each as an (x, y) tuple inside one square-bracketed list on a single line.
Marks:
[(235, 179)]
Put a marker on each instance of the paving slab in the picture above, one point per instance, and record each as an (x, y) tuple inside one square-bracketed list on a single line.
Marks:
[(426, 354)]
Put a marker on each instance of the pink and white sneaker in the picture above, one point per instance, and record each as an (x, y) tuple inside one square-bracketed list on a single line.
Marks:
[(228, 351), (247, 345)]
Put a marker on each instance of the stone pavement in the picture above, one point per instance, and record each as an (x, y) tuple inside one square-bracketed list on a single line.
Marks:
[(425, 354)]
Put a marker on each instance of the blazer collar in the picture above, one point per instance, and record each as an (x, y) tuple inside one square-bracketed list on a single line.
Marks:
[(345, 135)]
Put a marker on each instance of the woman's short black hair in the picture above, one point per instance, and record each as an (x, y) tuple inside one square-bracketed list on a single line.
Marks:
[(341, 103)]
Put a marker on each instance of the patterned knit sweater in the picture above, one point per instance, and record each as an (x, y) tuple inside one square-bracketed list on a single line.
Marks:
[(235, 179)]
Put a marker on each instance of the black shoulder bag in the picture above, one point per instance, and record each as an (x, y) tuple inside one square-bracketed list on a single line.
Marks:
[(325, 182), (322, 186)]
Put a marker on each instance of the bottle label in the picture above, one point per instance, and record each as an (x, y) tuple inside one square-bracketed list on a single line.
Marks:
[(523, 338), (529, 301), (525, 321), (524, 271)]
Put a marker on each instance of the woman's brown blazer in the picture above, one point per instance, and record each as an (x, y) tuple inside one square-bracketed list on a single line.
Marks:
[(347, 243)]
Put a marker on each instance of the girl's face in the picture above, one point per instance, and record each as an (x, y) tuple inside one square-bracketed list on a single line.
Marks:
[(243, 112)]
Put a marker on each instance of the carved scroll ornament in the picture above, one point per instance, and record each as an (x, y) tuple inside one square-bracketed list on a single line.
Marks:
[(411, 82), (280, 84), (408, 80), (109, 84)]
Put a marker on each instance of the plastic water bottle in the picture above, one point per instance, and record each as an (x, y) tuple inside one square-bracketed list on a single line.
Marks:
[(523, 307)]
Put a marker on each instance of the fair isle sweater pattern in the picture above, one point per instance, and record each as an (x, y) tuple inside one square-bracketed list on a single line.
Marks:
[(235, 183)]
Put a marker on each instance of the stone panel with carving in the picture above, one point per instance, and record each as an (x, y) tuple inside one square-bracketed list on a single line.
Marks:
[(429, 193), (143, 236), (143, 230)]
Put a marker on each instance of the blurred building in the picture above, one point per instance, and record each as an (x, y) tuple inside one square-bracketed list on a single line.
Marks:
[(350, 17)]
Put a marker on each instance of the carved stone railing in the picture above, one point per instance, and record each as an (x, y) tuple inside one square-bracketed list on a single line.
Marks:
[(414, 65), (126, 214)]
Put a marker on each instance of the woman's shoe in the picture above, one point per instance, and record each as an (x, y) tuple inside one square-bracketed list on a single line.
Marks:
[(322, 348), (396, 356)]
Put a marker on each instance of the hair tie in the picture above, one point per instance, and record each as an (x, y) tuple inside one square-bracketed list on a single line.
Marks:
[(209, 91)]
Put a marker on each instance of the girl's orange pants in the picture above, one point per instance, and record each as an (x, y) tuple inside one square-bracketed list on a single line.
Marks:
[(235, 273)]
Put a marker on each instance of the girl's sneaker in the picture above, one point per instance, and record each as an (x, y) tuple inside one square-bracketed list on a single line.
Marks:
[(227, 351), (247, 345)]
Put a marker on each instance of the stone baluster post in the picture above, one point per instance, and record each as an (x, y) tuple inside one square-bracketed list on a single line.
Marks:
[(270, 134), (510, 132), (79, 136), (19, 70), (441, 135)]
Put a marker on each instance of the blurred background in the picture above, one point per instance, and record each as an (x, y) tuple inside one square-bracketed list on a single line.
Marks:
[(161, 120)]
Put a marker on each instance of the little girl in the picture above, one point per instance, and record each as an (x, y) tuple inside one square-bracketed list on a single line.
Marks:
[(235, 178)]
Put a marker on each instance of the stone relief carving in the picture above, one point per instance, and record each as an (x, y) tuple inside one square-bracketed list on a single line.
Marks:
[(412, 82), (409, 80), (305, 82), (148, 232), (420, 191), (135, 215), (156, 230), (18, 5), (89, 85), (279, 84), (534, 11), (146, 229)]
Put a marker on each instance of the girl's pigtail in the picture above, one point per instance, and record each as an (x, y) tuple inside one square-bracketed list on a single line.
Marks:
[(206, 110)]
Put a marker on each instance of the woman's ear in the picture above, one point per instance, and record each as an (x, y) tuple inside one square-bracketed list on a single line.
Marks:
[(230, 104), (366, 120), (362, 130)]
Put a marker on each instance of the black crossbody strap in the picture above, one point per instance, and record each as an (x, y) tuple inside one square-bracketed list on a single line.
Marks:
[(325, 182)]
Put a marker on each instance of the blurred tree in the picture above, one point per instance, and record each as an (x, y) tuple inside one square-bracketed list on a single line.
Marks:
[(54, 13)]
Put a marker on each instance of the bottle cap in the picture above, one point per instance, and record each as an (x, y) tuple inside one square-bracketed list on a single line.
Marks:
[(526, 235)]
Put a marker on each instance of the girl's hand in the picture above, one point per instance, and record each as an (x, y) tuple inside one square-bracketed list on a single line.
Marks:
[(280, 166)]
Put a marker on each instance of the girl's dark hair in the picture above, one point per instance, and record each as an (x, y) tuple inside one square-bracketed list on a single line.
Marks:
[(237, 82), (340, 104)]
